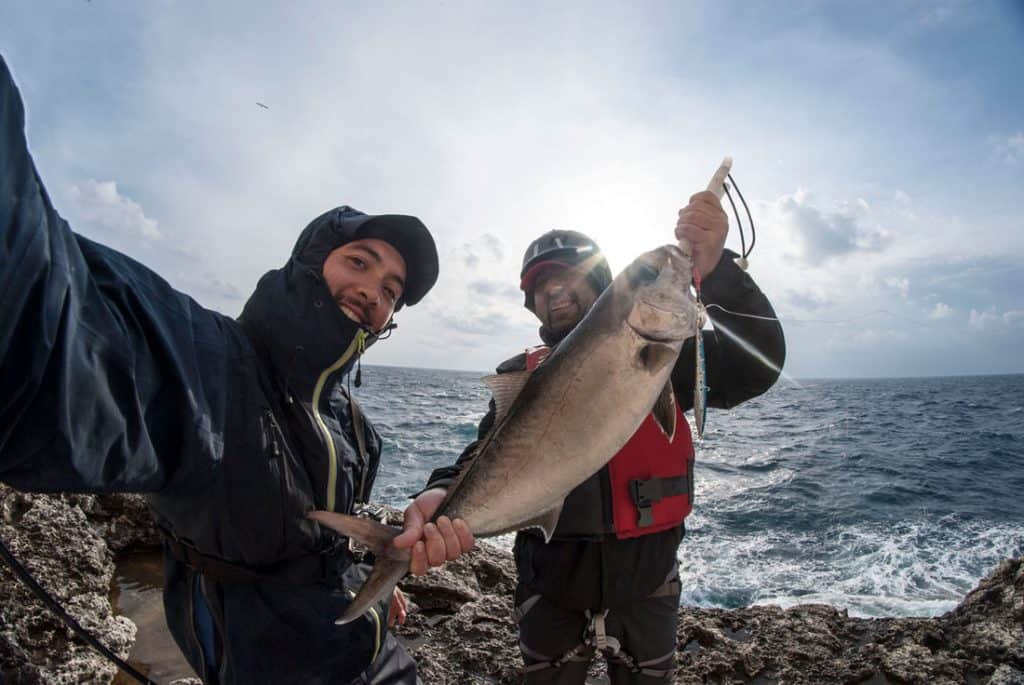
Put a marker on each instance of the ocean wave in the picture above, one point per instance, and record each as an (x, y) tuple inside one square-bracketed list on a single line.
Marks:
[(884, 497)]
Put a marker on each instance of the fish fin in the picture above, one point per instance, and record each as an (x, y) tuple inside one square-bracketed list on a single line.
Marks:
[(665, 411), (375, 536), (655, 356), (547, 521), (380, 585), (505, 387), (390, 564)]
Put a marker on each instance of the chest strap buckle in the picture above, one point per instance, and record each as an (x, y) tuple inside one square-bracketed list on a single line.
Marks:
[(647, 493)]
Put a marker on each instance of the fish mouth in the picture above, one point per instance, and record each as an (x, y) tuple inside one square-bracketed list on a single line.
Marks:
[(664, 338)]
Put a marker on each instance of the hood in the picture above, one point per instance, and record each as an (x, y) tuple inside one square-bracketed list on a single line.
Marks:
[(291, 317)]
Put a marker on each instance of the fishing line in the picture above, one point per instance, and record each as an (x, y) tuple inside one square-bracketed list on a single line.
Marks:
[(747, 316), (750, 218), (828, 321), (739, 224), (39, 591), (745, 251)]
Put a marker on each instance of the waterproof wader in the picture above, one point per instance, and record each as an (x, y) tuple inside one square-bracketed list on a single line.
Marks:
[(638, 639)]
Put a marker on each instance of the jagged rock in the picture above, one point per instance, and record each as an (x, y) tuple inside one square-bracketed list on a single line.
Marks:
[(470, 640), (462, 633), (66, 553)]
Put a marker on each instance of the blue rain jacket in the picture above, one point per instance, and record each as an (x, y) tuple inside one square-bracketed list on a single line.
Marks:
[(111, 380)]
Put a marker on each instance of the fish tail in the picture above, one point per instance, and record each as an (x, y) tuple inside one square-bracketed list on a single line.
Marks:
[(390, 564)]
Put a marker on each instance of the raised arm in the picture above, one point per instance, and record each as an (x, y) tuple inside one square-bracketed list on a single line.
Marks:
[(746, 349), (110, 379)]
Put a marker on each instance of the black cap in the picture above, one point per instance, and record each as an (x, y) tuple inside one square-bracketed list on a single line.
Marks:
[(410, 237), (405, 233)]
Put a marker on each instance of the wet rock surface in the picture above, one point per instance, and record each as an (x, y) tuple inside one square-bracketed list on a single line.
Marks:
[(461, 631)]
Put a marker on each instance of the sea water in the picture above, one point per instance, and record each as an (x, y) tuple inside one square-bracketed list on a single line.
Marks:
[(886, 497)]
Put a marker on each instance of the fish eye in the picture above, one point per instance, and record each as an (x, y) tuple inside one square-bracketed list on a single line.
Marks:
[(646, 273)]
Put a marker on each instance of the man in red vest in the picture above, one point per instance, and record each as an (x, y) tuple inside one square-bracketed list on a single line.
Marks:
[(608, 580)]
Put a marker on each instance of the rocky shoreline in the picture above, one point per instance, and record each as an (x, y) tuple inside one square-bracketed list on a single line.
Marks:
[(461, 631)]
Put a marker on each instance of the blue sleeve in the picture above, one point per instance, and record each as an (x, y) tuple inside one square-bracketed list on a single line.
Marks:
[(110, 380)]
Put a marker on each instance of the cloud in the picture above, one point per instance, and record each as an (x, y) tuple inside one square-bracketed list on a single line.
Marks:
[(808, 300), (208, 287), (487, 249), (823, 235), (1009, 149), (899, 283), (1014, 318), (937, 13), (870, 337), (940, 311), (494, 245), (99, 206), (495, 289), (982, 320), (483, 323), (903, 205), (490, 151), (992, 319)]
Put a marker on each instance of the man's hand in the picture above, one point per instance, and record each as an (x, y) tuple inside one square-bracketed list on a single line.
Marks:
[(704, 224), (432, 543), (399, 609)]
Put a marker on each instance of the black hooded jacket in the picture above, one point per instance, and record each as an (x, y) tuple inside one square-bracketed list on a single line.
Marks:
[(111, 380)]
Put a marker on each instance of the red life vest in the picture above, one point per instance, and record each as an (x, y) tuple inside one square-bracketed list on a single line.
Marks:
[(651, 479)]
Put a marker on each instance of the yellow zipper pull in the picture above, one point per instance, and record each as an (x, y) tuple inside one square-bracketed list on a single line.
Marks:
[(360, 346)]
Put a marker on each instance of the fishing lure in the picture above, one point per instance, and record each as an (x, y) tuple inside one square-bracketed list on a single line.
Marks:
[(719, 185), (700, 386)]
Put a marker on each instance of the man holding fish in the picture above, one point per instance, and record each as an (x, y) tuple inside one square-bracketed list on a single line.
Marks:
[(600, 575)]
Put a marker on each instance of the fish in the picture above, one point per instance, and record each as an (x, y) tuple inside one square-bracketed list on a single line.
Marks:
[(559, 424)]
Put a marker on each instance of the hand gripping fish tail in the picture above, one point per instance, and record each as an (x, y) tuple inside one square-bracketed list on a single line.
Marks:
[(390, 562)]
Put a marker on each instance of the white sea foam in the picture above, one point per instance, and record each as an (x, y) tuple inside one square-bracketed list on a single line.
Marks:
[(921, 567)]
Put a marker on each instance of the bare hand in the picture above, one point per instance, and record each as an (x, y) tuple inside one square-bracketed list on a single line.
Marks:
[(399, 609), (705, 226), (432, 543)]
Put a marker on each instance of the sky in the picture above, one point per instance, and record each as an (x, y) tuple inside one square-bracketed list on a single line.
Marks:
[(881, 152)]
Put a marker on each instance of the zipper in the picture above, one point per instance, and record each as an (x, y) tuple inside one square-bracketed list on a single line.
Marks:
[(273, 430), (193, 579), (376, 634), (356, 346)]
